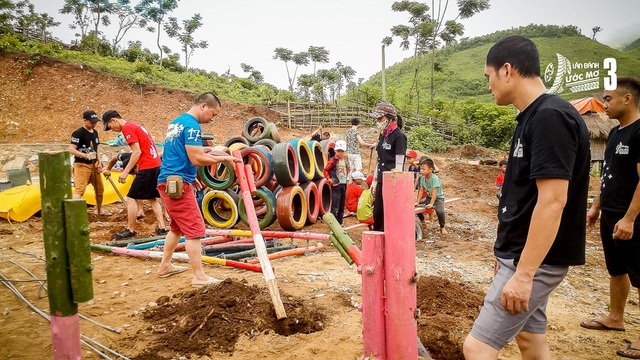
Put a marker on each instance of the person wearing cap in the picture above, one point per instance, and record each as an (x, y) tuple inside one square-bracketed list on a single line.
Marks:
[(354, 142), (86, 164), (145, 156), (391, 148), (183, 153), (337, 174), (354, 190)]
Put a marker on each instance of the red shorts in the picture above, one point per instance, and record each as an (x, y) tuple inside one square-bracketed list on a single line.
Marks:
[(186, 218)]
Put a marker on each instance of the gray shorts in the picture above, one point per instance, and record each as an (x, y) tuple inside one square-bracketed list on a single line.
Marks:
[(495, 326)]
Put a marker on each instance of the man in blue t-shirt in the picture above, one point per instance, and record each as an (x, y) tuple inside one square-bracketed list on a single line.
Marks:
[(183, 153)]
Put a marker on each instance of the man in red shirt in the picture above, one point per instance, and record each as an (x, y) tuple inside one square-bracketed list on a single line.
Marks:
[(145, 155), (354, 190)]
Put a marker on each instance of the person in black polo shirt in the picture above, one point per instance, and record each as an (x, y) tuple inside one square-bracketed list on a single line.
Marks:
[(542, 209), (391, 148), (619, 200)]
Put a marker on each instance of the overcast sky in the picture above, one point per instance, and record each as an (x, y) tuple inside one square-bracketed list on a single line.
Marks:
[(248, 31)]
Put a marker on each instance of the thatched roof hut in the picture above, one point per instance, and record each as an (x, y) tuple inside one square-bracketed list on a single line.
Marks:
[(598, 123)]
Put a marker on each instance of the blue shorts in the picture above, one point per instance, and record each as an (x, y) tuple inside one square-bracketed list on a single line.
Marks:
[(495, 326)]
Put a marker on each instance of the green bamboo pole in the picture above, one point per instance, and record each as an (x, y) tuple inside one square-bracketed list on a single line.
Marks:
[(55, 187), (78, 249)]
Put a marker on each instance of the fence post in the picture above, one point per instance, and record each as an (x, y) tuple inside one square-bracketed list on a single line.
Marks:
[(373, 306), (400, 265), (55, 187)]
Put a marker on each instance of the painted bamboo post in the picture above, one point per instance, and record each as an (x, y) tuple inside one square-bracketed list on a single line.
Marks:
[(373, 305), (261, 248), (55, 187), (400, 266), (78, 249)]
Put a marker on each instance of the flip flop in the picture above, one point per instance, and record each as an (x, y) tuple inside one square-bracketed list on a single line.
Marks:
[(176, 270), (621, 352), (599, 326), (211, 281)]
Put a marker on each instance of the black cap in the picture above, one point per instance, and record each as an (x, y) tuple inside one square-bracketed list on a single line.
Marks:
[(91, 116), (108, 115)]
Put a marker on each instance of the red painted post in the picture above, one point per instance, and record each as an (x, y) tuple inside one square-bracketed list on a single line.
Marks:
[(373, 327), (400, 266)]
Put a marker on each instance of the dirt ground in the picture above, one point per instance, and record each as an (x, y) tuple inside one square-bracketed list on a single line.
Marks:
[(165, 318)]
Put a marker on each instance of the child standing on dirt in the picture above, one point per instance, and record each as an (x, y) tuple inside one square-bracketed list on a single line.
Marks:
[(337, 173), (431, 189)]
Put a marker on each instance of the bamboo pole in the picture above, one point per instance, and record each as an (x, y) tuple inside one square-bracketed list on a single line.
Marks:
[(55, 187), (400, 265), (258, 239), (373, 306)]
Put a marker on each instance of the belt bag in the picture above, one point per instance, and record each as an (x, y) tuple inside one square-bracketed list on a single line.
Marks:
[(175, 187)]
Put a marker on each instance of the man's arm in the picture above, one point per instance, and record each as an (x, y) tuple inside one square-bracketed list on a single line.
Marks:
[(543, 228), (623, 229), (198, 157)]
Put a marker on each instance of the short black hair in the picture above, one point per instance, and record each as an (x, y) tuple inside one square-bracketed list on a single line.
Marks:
[(517, 50), (355, 121), (210, 99), (502, 162), (630, 85)]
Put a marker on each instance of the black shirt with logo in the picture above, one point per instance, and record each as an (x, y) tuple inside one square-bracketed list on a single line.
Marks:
[(551, 141), (85, 142), (388, 147), (620, 168)]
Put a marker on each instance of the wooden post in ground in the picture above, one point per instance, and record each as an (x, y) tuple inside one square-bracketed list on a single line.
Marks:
[(400, 265), (258, 240), (373, 304), (55, 186)]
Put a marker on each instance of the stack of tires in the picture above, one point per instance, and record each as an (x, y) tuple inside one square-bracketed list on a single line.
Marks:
[(289, 179)]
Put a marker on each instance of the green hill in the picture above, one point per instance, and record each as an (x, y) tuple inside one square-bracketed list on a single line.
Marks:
[(460, 73)]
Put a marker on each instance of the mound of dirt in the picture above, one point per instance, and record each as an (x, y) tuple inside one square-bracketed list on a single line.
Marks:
[(213, 318), (447, 312)]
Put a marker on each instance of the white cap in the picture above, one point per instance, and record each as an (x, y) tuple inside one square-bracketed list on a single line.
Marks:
[(341, 145), (357, 175)]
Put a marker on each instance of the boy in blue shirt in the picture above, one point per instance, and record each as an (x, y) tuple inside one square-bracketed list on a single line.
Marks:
[(430, 192)]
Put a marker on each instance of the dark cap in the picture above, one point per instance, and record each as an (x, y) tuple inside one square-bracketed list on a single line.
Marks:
[(91, 115), (108, 115)]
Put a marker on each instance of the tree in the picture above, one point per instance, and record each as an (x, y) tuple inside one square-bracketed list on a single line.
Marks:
[(80, 13), (318, 54), (127, 19), (254, 75), (596, 29), (286, 55), (155, 11), (185, 35)]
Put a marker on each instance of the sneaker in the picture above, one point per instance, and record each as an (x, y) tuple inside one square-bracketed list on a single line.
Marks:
[(160, 231), (125, 234)]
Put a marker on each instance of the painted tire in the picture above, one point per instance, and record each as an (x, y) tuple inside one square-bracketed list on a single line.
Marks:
[(326, 145), (275, 135), (285, 164), (291, 208), (258, 126), (269, 216), (324, 191), (236, 139), (218, 177), (260, 161), (266, 142), (214, 212), (312, 197), (305, 160), (319, 159)]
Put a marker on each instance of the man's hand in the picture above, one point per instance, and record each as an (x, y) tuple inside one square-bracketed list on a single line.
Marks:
[(123, 177), (623, 230), (516, 294), (592, 217)]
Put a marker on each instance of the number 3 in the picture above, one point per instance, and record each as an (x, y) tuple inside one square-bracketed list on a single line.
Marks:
[(611, 81)]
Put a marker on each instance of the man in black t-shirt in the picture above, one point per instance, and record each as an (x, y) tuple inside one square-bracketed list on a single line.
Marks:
[(619, 200), (87, 165), (542, 209)]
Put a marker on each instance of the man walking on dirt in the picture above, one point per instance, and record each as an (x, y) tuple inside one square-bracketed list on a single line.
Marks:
[(87, 165), (183, 152), (619, 200), (542, 209), (145, 155)]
